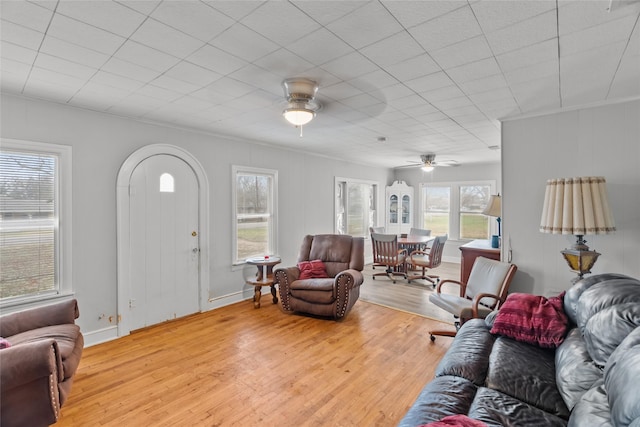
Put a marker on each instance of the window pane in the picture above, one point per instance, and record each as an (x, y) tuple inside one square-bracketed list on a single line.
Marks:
[(359, 209), (473, 199), (28, 223), (253, 213), (436, 210), (406, 209)]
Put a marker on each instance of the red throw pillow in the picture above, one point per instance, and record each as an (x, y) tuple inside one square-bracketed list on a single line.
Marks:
[(312, 269), (532, 319), (4, 343), (457, 421)]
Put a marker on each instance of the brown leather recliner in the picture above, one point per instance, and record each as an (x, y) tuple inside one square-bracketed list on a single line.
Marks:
[(343, 257), (37, 370)]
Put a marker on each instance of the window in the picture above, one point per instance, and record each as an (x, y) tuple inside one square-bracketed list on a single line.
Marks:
[(355, 207), (35, 221), (254, 203), (456, 209), (167, 183)]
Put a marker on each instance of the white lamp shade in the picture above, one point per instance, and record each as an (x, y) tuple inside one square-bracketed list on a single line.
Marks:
[(494, 207), (578, 206), (298, 116)]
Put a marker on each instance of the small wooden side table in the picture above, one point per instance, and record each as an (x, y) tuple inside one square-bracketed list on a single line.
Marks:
[(264, 277)]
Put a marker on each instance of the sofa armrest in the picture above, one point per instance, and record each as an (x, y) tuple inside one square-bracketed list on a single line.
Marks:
[(24, 363), (29, 377), (39, 317), (349, 279), (284, 277)]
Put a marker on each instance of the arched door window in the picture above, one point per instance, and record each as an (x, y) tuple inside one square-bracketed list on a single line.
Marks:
[(167, 183)]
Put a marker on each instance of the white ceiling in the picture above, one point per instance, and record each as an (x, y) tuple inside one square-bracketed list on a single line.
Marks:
[(429, 76)]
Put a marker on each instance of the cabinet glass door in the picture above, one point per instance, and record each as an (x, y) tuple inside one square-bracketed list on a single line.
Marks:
[(393, 209), (406, 209)]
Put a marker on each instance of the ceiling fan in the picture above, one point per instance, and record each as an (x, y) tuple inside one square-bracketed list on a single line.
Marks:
[(301, 107), (428, 163)]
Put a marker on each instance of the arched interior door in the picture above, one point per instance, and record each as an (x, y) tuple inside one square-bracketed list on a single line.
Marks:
[(164, 241)]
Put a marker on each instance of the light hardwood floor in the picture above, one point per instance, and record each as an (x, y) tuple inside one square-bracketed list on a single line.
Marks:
[(413, 297), (240, 366)]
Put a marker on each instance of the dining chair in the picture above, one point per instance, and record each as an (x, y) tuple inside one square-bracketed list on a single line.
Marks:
[(483, 293), (419, 232), (379, 230), (421, 259), (386, 252)]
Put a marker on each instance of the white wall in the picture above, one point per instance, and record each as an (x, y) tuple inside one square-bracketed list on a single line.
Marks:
[(598, 141), (478, 172), (102, 142)]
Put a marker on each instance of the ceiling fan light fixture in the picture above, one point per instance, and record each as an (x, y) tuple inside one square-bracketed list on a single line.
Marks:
[(300, 94), (299, 115), (427, 167)]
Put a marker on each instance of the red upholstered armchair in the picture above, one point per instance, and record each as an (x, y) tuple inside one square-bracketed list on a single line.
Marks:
[(331, 296)]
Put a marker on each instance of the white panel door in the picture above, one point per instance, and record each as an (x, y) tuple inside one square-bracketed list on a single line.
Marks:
[(163, 197)]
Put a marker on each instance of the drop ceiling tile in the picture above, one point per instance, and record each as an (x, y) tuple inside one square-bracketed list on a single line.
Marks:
[(598, 35), (412, 13), (626, 82), (145, 56), (470, 50), (447, 29), (429, 82), (496, 81), (408, 102), (244, 43), (413, 68), (578, 15), (475, 70), (43, 89), (192, 103), (176, 85), (492, 95), (130, 70), (84, 35), (349, 66), (284, 63), (533, 72), (230, 86), (452, 103), (529, 56), (193, 74), (535, 30), (157, 92), (215, 59), (339, 91), (63, 66), (234, 9), (398, 90), (537, 95), (165, 39), (116, 81), (143, 6), (17, 53), (259, 78), (366, 25), (196, 19), (495, 15), (326, 47), (73, 53), (27, 14), (13, 76), (20, 35), (392, 50), (280, 22), (69, 84), (443, 93), (106, 15), (327, 12)]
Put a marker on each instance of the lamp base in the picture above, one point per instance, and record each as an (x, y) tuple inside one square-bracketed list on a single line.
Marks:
[(579, 258), (495, 241)]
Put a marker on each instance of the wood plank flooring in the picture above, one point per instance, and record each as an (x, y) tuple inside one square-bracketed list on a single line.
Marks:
[(247, 367), (413, 297)]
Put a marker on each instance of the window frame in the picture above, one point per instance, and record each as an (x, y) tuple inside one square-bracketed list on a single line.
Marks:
[(273, 230), (454, 205), (63, 231), (337, 183)]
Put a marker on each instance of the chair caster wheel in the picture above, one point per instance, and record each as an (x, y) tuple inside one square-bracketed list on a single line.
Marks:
[(432, 338)]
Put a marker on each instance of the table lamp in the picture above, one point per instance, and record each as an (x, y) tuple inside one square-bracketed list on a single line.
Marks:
[(577, 206), (494, 208)]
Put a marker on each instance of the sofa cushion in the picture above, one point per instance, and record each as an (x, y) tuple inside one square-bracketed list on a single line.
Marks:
[(69, 341), (573, 294), (533, 319), (575, 371), (314, 290), (444, 396), (592, 409), (606, 294), (527, 373), (456, 421), (468, 355), (314, 269), (498, 409), (606, 329), (621, 381)]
